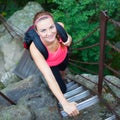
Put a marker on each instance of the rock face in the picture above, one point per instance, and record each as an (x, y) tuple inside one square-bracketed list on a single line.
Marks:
[(34, 101)]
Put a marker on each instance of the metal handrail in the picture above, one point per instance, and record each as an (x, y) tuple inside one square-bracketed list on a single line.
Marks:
[(103, 25)]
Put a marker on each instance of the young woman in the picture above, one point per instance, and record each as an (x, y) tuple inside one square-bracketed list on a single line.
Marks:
[(54, 66)]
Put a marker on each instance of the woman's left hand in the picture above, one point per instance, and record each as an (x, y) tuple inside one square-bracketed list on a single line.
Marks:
[(68, 42)]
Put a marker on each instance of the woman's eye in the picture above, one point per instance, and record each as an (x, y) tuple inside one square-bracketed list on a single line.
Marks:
[(43, 30), (51, 27)]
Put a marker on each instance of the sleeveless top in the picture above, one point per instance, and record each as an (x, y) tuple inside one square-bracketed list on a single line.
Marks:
[(57, 57)]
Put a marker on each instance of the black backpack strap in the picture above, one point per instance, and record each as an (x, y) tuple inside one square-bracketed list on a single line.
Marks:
[(30, 36), (61, 32)]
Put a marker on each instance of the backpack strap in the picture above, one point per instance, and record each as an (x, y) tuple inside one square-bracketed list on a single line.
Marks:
[(32, 36), (61, 32)]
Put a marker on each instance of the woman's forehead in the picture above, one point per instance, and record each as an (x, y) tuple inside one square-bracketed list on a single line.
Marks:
[(45, 23)]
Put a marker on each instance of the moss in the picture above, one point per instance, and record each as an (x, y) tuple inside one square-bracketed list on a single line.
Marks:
[(1, 85)]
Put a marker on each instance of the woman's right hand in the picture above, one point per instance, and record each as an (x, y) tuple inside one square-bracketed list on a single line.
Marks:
[(71, 108)]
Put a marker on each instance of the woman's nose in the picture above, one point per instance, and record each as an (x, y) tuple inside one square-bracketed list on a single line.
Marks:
[(49, 32)]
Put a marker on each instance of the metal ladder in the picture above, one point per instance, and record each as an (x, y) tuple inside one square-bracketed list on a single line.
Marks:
[(76, 93)]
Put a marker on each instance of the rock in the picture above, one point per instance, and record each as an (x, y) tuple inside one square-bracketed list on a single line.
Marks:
[(23, 18), (81, 79), (9, 78), (1, 62), (115, 81), (15, 113), (1, 85), (27, 86)]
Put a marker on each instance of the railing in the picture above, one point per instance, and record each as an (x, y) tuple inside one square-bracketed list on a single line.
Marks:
[(102, 65), (102, 44), (103, 22)]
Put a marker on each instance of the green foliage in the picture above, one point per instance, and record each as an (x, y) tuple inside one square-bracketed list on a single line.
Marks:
[(9, 8), (116, 61), (82, 17), (1, 86), (77, 16)]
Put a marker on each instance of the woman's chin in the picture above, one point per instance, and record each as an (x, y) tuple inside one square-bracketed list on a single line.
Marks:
[(51, 40)]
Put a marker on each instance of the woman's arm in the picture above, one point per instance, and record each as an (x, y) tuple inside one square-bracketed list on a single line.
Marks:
[(41, 63), (69, 40)]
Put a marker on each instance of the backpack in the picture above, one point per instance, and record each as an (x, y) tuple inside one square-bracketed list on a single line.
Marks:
[(32, 36)]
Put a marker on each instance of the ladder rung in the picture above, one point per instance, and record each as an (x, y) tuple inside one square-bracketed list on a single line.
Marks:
[(79, 96), (82, 105), (72, 87), (111, 118), (70, 84), (73, 92)]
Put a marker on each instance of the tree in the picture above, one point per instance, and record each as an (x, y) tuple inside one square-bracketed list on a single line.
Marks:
[(80, 18)]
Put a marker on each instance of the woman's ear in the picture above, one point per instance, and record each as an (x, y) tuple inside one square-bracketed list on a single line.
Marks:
[(36, 30)]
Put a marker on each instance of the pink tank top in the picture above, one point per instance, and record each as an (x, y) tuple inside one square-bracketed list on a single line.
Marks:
[(57, 57)]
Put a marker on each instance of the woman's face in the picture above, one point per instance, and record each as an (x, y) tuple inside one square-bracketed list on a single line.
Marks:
[(46, 29)]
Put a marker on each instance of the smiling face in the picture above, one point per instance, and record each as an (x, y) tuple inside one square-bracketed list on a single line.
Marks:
[(46, 29)]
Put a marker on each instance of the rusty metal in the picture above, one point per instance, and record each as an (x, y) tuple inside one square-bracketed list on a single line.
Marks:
[(82, 68), (6, 98), (113, 70), (103, 23), (112, 83), (112, 46), (9, 28), (90, 63), (116, 23), (111, 90), (83, 48), (84, 38)]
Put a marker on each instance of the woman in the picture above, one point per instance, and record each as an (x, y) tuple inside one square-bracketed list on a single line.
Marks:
[(53, 67)]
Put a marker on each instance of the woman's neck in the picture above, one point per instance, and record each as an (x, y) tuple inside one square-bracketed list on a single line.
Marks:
[(52, 46)]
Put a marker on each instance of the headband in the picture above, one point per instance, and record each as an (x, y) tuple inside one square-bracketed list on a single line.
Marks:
[(41, 17)]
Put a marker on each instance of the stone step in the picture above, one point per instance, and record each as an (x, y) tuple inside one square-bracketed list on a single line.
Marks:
[(84, 104), (111, 118)]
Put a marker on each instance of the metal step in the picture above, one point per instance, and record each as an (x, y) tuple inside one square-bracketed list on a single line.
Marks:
[(111, 118), (79, 96), (73, 92), (72, 87), (82, 105), (70, 84)]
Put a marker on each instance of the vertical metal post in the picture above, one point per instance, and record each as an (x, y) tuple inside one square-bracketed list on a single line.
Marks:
[(103, 22)]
